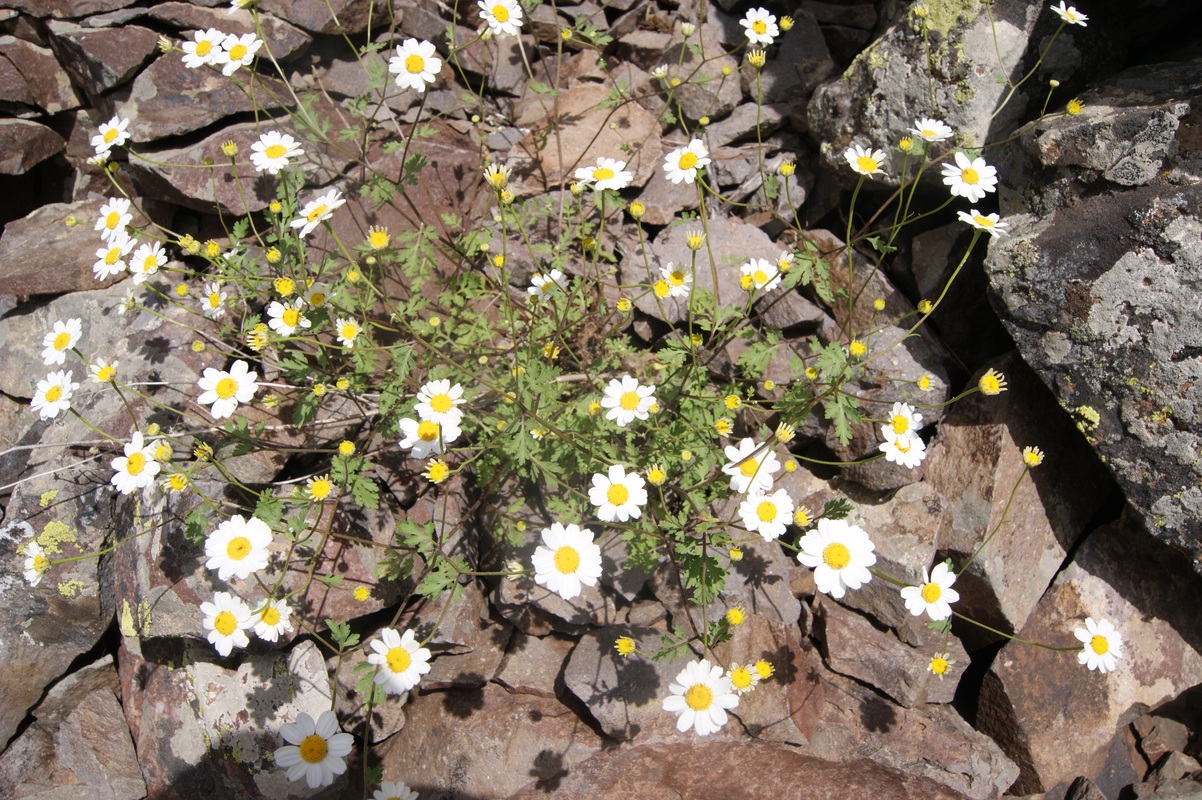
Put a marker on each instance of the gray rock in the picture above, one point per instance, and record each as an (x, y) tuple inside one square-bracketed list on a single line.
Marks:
[(60, 9), (26, 144), (100, 59), (285, 40), (334, 16), (533, 664), (1055, 727), (1158, 736)]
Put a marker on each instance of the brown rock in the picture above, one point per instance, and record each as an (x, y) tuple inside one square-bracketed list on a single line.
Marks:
[(31, 81), (705, 770), (167, 98), (1051, 715), (349, 16), (853, 646), (99, 59), (487, 742), (975, 462), (533, 664), (68, 9), (25, 144), (286, 41), (1159, 736)]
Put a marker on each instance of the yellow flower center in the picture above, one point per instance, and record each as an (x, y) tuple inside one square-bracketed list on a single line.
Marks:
[(867, 164), (62, 340), (285, 286), (378, 240), (275, 151), (749, 468), (1099, 645), (415, 64), (112, 255), (427, 431), (291, 317), (150, 263), (203, 47), (442, 403), (741, 677), (969, 176), (766, 511), (225, 623), (656, 477), (567, 560), (984, 222), (106, 373), (939, 665), (836, 555), (699, 697), (901, 424), (629, 401), (238, 52), (661, 289), (112, 219), (349, 331), (226, 388), (928, 132), (676, 277), (178, 482), (688, 160), (602, 173), (313, 749), (759, 276), (135, 464), (398, 659), (54, 394), (110, 135), (931, 592), (320, 489), (40, 563), (238, 548), (617, 494), (990, 385), (759, 27), (438, 472), (317, 299), (500, 13), (317, 212), (214, 300), (902, 444), (270, 616)]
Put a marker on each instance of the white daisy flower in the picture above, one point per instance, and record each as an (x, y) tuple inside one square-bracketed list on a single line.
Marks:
[(936, 594), (660, 72), (236, 52), (272, 151), (543, 285), (102, 371), (903, 421), (213, 301), (238, 5), (750, 467), (203, 48), (627, 401), (700, 697), (503, 17), (763, 275), (36, 563), (743, 678), (608, 174), (439, 401), (784, 262), (990, 223), (112, 134), (316, 751), (137, 468), (682, 165), (146, 261), (286, 318), (1103, 645), (760, 26), (426, 437), (907, 451), (1073, 17), (618, 495), (414, 65), (679, 282), (969, 179), (840, 555), (767, 514), (114, 216), (316, 211), (53, 395), (567, 558), (271, 620), (931, 130), (225, 390), (397, 790), (62, 337), (316, 294), (110, 259), (865, 161), (497, 175), (348, 331), (401, 660), (238, 547), (226, 620)]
